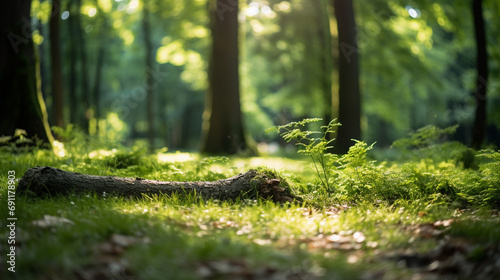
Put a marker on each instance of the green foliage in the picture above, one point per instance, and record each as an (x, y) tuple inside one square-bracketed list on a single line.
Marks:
[(313, 146), (203, 168), (424, 137), (430, 142), (371, 199), (490, 172), (124, 159), (20, 142), (438, 172)]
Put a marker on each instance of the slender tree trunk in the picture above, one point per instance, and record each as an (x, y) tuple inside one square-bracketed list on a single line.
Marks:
[(478, 133), (349, 95), (44, 66), (21, 101), (84, 74), (146, 27), (101, 54), (72, 66), (97, 85), (55, 58), (223, 124), (326, 57)]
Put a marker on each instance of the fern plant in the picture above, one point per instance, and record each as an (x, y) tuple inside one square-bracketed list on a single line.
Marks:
[(314, 144)]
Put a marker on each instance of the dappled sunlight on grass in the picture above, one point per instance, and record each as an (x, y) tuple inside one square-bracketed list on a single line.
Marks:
[(366, 224), (176, 157)]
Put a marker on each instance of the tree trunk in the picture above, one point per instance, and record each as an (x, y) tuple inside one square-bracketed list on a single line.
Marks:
[(223, 124), (349, 95), (73, 108), (482, 75), (84, 74), (55, 59), (44, 180), (21, 101), (148, 44), (97, 86), (101, 54), (326, 57)]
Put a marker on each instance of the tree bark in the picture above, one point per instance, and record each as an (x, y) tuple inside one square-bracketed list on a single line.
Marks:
[(42, 180), (84, 74), (324, 37), (21, 101), (72, 89), (96, 92), (148, 45), (55, 59), (223, 124), (482, 75), (349, 95)]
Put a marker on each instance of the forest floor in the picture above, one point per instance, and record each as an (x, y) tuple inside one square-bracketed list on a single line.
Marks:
[(103, 236)]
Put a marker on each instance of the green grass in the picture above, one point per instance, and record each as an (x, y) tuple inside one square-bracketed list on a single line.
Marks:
[(375, 203)]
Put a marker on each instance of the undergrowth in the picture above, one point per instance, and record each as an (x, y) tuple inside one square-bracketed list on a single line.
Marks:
[(343, 195), (432, 169)]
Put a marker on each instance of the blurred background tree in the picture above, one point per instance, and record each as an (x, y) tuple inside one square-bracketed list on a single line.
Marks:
[(139, 70)]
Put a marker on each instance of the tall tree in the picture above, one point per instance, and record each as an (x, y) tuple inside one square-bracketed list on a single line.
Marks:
[(84, 74), (349, 95), (73, 108), (325, 39), (223, 127), (55, 58), (482, 75), (21, 101), (148, 47), (96, 91)]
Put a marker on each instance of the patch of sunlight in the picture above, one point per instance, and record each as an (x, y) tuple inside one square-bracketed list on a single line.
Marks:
[(194, 58), (441, 21), (58, 148), (412, 12), (115, 121), (437, 7), (283, 6), (41, 10), (65, 15), (105, 5), (117, 23), (175, 157), (257, 27), (86, 9), (92, 12), (424, 34), (127, 36), (197, 32), (268, 12), (252, 10), (121, 7), (415, 49), (195, 77), (415, 25), (100, 154), (37, 38), (178, 58), (271, 162), (132, 6), (166, 53), (268, 148)]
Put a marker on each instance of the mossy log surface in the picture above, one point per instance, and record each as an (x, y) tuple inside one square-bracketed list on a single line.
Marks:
[(42, 181)]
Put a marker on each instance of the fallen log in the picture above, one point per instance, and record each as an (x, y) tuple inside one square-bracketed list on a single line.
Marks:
[(43, 180)]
